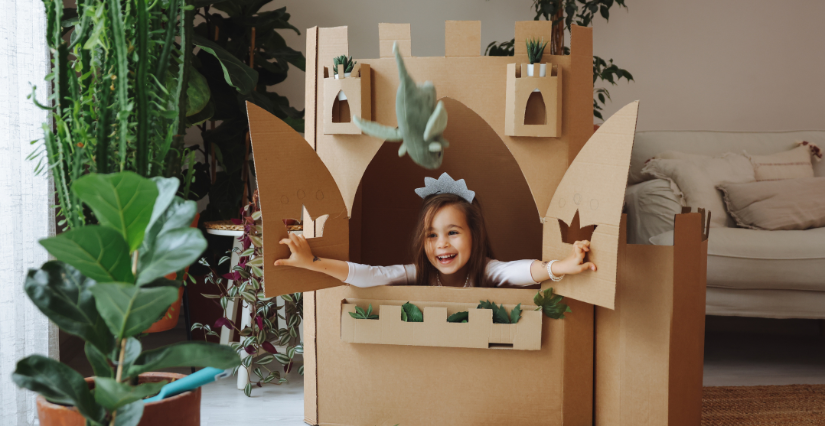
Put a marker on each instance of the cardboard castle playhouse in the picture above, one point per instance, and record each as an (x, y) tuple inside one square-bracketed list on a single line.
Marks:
[(630, 353)]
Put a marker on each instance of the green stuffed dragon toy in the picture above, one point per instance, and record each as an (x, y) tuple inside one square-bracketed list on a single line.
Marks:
[(421, 122)]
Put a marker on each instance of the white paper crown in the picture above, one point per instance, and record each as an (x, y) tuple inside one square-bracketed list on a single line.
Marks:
[(445, 185)]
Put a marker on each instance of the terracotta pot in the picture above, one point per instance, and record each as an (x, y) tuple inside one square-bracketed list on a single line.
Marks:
[(180, 410), (170, 318)]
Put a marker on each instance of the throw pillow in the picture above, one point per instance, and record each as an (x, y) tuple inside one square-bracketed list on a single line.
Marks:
[(776, 205), (793, 164), (695, 180)]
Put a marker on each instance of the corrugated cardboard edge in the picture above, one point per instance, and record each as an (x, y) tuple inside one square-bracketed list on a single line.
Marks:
[(687, 328), (310, 360), (479, 332), (310, 85), (593, 187), (292, 176)]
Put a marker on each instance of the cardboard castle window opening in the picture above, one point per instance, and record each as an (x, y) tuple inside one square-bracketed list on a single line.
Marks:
[(533, 102), (554, 173), (344, 97)]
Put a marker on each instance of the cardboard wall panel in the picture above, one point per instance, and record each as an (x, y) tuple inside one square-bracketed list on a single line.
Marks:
[(479, 332), (462, 38), (365, 384), (649, 349), (688, 323), (389, 34), (310, 85)]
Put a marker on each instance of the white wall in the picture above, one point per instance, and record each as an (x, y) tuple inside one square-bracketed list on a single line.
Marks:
[(719, 64), (700, 64)]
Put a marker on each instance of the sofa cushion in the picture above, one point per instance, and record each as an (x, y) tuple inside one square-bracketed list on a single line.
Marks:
[(770, 260), (695, 179), (793, 164), (649, 143), (651, 207), (777, 205)]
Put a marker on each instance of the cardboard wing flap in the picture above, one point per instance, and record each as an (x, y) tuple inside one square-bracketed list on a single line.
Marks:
[(593, 187), (295, 184), (478, 332)]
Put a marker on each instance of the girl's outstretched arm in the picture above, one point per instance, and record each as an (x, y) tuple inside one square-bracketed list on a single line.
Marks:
[(571, 265), (302, 257)]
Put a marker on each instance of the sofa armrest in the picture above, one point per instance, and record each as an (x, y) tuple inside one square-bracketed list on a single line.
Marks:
[(651, 207)]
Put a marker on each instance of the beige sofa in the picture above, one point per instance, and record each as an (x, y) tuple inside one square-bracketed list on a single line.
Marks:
[(754, 273)]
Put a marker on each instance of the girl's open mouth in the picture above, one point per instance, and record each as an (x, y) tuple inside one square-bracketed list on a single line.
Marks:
[(445, 258)]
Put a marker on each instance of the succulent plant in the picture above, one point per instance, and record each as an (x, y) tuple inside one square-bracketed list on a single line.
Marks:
[(535, 49), (348, 63)]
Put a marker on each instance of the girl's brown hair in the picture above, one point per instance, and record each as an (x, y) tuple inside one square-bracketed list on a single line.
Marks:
[(481, 250)]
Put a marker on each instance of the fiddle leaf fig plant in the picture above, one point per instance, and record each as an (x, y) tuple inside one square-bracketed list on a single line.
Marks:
[(107, 286)]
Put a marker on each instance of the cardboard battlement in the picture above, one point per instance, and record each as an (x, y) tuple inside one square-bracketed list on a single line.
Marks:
[(478, 332)]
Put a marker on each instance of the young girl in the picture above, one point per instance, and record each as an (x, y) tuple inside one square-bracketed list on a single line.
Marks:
[(450, 248)]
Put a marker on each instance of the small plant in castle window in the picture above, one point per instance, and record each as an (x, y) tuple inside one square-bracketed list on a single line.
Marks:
[(535, 50), (348, 63)]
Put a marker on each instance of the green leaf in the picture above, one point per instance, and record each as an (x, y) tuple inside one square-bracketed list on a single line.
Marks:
[(62, 293), (551, 304), (57, 383), (413, 313), (98, 361), (129, 310), (515, 315), (500, 315), (197, 93), (167, 188), (98, 252), (185, 354), (112, 395), (129, 414), (177, 214), (236, 73), (173, 251), (121, 201), (459, 317)]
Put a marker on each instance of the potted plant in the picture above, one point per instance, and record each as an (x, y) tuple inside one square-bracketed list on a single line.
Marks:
[(106, 286), (535, 50), (268, 323), (348, 63)]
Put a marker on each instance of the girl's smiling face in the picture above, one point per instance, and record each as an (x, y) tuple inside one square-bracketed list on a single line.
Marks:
[(449, 242)]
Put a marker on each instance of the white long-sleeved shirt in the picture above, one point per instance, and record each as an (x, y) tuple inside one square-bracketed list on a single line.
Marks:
[(513, 273)]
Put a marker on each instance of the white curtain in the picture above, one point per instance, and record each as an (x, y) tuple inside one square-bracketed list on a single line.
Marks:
[(25, 199)]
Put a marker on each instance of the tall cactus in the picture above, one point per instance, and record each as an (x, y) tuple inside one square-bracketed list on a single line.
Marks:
[(118, 81)]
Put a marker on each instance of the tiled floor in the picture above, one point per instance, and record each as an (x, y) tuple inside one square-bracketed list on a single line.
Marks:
[(738, 352)]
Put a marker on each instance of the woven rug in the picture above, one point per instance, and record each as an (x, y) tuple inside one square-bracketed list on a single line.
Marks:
[(763, 405)]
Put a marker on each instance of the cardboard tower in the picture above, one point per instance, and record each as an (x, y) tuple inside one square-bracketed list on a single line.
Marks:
[(630, 353)]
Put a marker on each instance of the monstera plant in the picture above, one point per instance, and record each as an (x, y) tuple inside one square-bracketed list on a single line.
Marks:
[(107, 286)]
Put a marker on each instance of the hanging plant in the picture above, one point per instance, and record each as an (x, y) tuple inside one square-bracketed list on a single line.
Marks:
[(269, 324)]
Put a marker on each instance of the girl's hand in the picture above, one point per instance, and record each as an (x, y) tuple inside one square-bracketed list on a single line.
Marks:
[(301, 255), (574, 264)]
